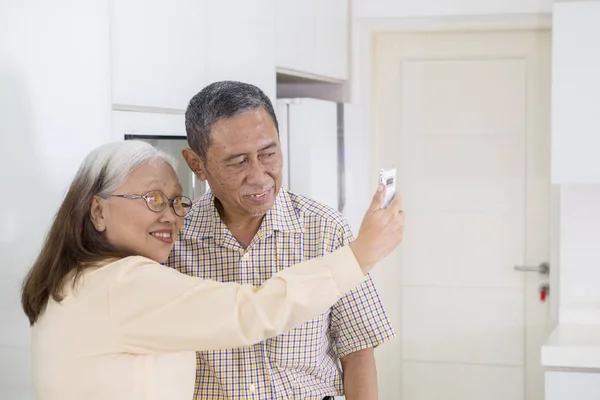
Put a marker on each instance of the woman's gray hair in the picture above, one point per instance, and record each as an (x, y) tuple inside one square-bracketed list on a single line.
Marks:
[(73, 243), (109, 165)]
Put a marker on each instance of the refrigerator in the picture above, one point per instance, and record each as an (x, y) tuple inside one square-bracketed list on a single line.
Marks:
[(311, 132), (193, 187)]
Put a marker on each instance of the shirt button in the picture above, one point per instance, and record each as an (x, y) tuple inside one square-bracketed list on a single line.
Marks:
[(252, 388), (245, 257)]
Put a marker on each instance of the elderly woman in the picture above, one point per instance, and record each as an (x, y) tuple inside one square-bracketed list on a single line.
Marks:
[(110, 322)]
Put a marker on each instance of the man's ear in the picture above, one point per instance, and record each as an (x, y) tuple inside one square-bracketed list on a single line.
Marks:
[(195, 163), (97, 214)]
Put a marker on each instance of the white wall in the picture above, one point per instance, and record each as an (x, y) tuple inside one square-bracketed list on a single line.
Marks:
[(579, 254), (54, 107), (359, 189), (411, 8), (575, 92), (575, 161)]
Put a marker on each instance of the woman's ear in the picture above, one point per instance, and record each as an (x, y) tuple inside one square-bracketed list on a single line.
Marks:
[(194, 162), (97, 214)]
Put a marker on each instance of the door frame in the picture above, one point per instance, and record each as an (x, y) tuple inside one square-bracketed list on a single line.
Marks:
[(363, 31), (360, 91)]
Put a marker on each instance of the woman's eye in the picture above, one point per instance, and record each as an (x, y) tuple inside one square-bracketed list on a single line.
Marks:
[(156, 198)]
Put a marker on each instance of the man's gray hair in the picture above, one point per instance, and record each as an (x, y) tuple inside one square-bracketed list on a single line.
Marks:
[(219, 100), (109, 165)]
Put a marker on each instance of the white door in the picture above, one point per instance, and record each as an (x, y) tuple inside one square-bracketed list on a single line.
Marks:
[(465, 118)]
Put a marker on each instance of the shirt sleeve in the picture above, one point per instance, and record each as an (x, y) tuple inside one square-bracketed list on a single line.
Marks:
[(155, 308), (358, 319)]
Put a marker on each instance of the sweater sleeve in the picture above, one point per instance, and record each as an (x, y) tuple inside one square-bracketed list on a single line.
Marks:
[(156, 309)]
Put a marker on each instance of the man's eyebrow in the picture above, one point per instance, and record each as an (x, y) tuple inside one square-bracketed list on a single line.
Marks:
[(269, 146)]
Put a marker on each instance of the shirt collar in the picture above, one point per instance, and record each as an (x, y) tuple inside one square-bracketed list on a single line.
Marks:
[(282, 216), (204, 220)]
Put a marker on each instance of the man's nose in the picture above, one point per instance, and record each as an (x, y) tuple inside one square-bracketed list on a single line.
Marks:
[(257, 175)]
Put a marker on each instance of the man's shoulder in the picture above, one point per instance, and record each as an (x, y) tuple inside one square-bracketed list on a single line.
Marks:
[(315, 212), (204, 204), (203, 212), (200, 223)]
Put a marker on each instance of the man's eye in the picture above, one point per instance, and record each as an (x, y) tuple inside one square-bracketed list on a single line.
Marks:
[(268, 155)]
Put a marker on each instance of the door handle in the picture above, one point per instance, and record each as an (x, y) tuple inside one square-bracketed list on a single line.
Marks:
[(543, 268)]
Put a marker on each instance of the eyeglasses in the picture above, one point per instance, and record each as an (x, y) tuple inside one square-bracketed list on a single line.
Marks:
[(157, 201)]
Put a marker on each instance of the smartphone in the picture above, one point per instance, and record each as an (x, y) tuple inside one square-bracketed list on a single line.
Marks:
[(388, 178)]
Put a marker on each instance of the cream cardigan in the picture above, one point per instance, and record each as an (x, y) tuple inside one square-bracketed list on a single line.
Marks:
[(130, 328)]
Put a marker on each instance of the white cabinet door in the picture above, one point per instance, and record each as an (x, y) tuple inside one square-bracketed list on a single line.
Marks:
[(572, 385), (295, 35), (576, 92), (331, 34), (158, 51), (240, 42), (312, 37)]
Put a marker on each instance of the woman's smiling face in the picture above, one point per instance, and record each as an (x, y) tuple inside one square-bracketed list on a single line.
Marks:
[(129, 224)]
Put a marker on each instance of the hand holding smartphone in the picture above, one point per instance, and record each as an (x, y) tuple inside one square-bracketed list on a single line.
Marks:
[(387, 177)]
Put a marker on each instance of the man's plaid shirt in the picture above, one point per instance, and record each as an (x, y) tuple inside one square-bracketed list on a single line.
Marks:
[(303, 363)]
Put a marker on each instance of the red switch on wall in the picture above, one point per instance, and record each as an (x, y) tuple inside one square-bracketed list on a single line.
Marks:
[(544, 291)]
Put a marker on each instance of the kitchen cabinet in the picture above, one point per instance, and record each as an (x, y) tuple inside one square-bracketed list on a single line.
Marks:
[(571, 385), (312, 38), (162, 53), (157, 52), (571, 359), (240, 43), (332, 41)]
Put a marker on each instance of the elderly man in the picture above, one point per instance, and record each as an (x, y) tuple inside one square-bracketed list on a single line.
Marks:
[(247, 228)]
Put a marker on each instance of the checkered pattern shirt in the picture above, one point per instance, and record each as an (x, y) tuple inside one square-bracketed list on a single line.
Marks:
[(303, 363)]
